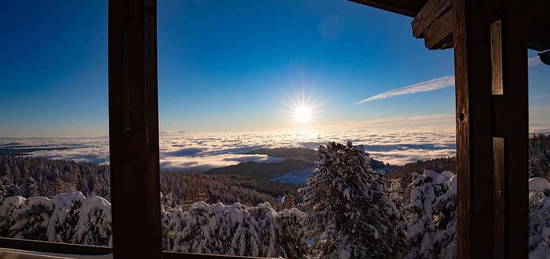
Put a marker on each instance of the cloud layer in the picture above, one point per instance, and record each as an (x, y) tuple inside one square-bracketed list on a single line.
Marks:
[(396, 141), (199, 152)]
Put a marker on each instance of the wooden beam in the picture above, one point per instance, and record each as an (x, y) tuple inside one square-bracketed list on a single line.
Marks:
[(87, 250), (431, 11), (500, 203), (515, 129), (496, 57), (133, 129), (538, 22), (435, 23), (53, 247), (492, 121), (474, 138), (439, 34), (404, 7)]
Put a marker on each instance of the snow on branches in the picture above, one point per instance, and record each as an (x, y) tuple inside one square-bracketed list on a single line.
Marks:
[(432, 215), (539, 218), (68, 217), (234, 230), (350, 215), (217, 228)]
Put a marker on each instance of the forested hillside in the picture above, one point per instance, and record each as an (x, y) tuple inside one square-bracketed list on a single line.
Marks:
[(539, 156), (33, 176)]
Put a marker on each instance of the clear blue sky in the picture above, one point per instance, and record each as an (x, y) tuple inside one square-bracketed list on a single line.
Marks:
[(223, 65)]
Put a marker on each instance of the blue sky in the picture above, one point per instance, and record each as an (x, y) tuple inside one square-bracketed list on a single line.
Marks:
[(226, 65)]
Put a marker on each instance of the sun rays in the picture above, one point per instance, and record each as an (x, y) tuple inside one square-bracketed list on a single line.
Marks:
[(302, 109)]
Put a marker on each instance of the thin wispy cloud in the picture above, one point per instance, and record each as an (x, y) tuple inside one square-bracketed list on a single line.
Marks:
[(430, 85)]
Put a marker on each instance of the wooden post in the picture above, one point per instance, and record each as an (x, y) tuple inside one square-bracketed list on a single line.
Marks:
[(133, 129), (474, 140), (492, 128), (511, 117)]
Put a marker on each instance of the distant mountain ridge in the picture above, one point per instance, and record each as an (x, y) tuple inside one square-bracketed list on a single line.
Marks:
[(298, 165), (298, 153), (264, 171)]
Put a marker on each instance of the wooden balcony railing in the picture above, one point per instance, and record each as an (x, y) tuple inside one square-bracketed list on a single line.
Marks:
[(69, 250)]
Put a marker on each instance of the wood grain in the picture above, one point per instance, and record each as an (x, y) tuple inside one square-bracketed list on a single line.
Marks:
[(133, 129)]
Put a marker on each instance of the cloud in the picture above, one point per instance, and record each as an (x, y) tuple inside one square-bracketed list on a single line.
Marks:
[(425, 86), (185, 152), (200, 152), (431, 85)]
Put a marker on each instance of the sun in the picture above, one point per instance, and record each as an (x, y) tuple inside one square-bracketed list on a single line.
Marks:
[(302, 113), (302, 109)]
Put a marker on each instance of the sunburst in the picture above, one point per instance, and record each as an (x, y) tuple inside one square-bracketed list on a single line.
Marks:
[(302, 109)]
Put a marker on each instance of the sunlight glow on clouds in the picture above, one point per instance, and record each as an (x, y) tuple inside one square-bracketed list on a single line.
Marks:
[(199, 152), (395, 140)]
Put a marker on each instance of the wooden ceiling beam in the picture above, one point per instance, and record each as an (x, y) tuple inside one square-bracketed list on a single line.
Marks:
[(435, 23), (439, 34), (431, 11), (430, 15)]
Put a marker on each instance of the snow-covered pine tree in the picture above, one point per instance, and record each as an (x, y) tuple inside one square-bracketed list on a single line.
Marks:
[(68, 217), (432, 215), (539, 218), (350, 215), (32, 219), (234, 230)]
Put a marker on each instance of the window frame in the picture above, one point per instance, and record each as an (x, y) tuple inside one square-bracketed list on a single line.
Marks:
[(480, 117)]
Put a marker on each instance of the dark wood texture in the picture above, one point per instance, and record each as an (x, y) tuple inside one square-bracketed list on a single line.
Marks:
[(437, 35), (474, 136), (511, 123), (133, 129), (431, 11), (496, 57), (73, 249), (538, 24), (53, 247), (500, 203), (492, 193), (538, 19)]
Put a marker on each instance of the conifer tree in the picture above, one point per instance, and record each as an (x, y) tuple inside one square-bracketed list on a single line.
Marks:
[(350, 215)]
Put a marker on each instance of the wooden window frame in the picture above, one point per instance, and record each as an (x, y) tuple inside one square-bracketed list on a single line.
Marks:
[(492, 193)]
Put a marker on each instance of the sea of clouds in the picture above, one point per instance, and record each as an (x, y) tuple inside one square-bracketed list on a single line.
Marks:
[(187, 152)]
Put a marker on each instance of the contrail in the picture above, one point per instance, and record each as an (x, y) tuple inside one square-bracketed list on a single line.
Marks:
[(425, 86), (431, 85)]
